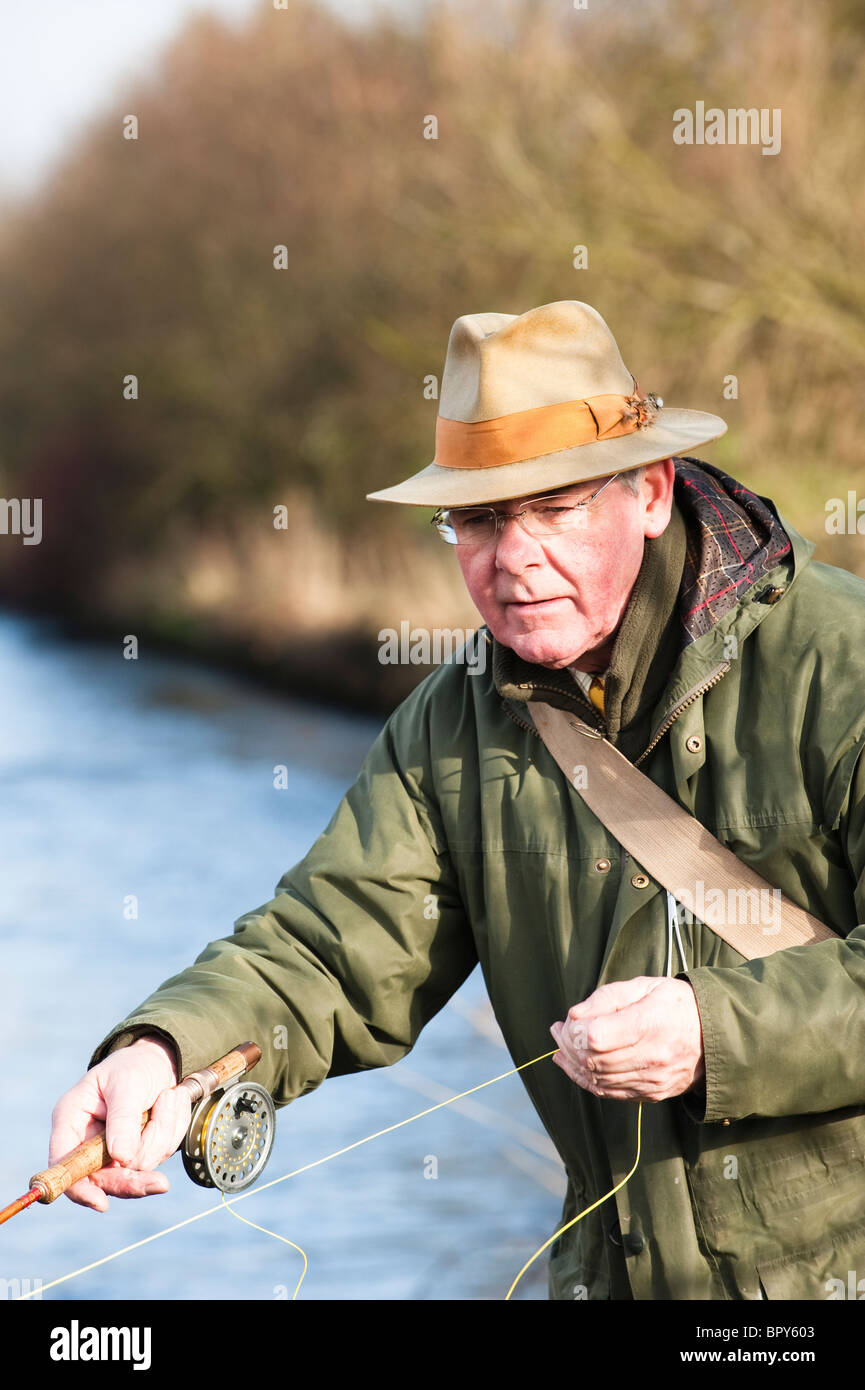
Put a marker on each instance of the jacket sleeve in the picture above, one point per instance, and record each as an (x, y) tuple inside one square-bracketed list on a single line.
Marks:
[(364, 941), (785, 1034)]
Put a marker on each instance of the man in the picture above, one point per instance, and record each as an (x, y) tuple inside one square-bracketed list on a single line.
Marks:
[(594, 547)]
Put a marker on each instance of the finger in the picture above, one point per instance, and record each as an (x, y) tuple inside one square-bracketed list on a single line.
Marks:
[(651, 1094), (566, 1066), (641, 1088), (85, 1193), (634, 1055), (644, 1081), (655, 1081), (130, 1182), (578, 1074), (115, 1181), (123, 1123), (67, 1135), (632, 1025), (650, 1074), (582, 1078), (77, 1116), (619, 994), (656, 1029), (169, 1121), (614, 1036), (648, 1051)]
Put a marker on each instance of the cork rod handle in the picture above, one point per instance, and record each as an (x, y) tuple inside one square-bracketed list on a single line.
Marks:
[(88, 1158)]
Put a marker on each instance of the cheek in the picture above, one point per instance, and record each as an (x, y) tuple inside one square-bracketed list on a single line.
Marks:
[(478, 574), (601, 582), (608, 571)]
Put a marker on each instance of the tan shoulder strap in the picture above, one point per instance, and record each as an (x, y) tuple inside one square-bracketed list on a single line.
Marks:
[(671, 844)]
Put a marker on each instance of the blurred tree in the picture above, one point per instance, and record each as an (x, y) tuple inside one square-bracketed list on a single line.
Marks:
[(155, 257)]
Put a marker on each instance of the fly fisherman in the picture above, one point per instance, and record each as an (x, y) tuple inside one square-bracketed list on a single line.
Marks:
[(672, 610)]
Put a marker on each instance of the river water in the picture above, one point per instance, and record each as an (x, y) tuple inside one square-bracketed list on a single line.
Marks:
[(154, 778)]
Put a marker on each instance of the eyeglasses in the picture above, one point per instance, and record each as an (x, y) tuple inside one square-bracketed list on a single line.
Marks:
[(543, 516)]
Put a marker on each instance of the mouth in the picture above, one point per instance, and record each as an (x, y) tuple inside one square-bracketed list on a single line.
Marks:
[(527, 605)]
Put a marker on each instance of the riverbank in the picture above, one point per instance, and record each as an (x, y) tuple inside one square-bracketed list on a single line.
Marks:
[(302, 610), (338, 670), (352, 624)]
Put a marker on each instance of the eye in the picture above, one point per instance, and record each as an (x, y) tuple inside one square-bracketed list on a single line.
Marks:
[(555, 511), (469, 520)]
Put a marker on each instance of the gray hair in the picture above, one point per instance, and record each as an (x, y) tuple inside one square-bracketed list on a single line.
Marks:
[(632, 478)]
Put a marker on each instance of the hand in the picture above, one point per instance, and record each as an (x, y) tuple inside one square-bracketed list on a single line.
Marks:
[(633, 1040), (114, 1095)]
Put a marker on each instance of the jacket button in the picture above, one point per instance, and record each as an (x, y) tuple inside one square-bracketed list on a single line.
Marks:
[(770, 595), (602, 866), (694, 743), (640, 880), (632, 1242)]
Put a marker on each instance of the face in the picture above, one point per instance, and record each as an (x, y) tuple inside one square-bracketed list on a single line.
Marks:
[(559, 600)]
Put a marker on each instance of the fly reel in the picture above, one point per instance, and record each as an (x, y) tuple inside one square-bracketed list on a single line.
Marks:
[(230, 1137)]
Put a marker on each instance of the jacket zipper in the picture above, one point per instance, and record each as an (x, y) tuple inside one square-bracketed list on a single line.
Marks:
[(554, 690), (669, 719), (686, 700)]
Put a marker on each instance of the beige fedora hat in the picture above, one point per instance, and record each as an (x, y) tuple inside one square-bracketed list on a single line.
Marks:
[(536, 401)]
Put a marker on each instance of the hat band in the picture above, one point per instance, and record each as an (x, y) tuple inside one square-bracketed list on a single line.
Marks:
[(527, 434)]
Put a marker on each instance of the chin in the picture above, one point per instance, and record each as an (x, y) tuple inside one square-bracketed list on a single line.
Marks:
[(543, 648)]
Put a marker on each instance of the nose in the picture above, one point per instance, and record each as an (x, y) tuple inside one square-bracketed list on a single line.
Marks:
[(516, 548)]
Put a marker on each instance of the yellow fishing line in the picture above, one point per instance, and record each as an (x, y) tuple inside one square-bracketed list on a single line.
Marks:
[(199, 1216), (262, 1187), (593, 1207), (673, 925), (284, 1239)]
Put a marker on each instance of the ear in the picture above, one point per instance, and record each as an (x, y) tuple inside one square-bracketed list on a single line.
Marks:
[(656, 496)]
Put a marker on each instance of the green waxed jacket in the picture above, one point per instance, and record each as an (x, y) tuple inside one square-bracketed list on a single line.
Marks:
[(462, 841)]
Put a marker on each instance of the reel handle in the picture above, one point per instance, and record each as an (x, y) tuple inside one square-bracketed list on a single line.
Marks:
[(93, 1154)]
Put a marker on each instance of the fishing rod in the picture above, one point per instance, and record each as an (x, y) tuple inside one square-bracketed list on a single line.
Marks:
[(228, 1142)]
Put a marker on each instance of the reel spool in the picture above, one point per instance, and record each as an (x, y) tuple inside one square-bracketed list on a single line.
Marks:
[(230, 1137)]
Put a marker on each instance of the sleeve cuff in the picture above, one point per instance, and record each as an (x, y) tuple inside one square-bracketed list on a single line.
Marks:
[(702, 1103), (130, 1032)]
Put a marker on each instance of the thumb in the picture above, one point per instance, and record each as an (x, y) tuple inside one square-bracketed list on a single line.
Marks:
[(169, 1121)]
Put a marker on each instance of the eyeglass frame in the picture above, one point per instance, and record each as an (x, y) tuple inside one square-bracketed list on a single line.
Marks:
[(437, 520)]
